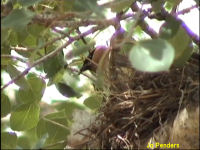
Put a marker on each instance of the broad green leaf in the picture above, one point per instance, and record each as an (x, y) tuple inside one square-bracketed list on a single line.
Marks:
[(176, 35), (25, 117), (13, 38), (8, 140), (4, 35), (13, 72), (17, 19), (35, 30), (152, 55), (30, 41), (25, 95), (28, 3), (5, 105), (53, 65), (24, 142), (7, 61), (5, 48), (94, 101), (41, 128), (21, 36), (119, 5), (37, 85), (57, 129), (180, 61), (34, 92)]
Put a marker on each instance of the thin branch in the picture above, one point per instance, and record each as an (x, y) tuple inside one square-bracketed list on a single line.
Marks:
[(186, 10), (13, 57), (143, 24), (51, 54)]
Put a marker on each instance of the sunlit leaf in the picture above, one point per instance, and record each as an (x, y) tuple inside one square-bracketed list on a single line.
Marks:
[(8, 140), (152, 55), (25, 117)]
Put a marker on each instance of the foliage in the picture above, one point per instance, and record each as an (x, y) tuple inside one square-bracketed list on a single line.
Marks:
[(39, 31)]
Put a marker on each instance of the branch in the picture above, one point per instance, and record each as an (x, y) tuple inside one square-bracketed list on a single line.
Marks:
[(51, 54), (143, 24), (186, 10)]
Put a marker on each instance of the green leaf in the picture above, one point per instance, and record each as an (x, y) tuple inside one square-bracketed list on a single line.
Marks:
[(180, 61), (176, 35), (35, 30), (119, 5), (28, 3), (24, 142), (34, 92), (13, 72), (37, 85), (30, 41), (17, 19), (172, 4), (25, 117), (152, 55), (5, 105), (4, 35), (41, 128), (57, 129), (94, 101), (54, 65), (8, 140)]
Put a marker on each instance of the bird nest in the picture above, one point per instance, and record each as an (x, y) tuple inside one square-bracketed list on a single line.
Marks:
[(140, 104)]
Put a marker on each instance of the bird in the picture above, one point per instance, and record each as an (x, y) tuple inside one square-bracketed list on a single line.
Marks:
[(100, 57), (94, 58)]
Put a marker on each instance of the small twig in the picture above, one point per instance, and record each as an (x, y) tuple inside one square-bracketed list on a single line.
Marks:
[(13, 57), (186, 10)]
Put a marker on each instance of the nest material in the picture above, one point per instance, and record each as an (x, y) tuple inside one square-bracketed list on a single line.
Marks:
[(141, 104)]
